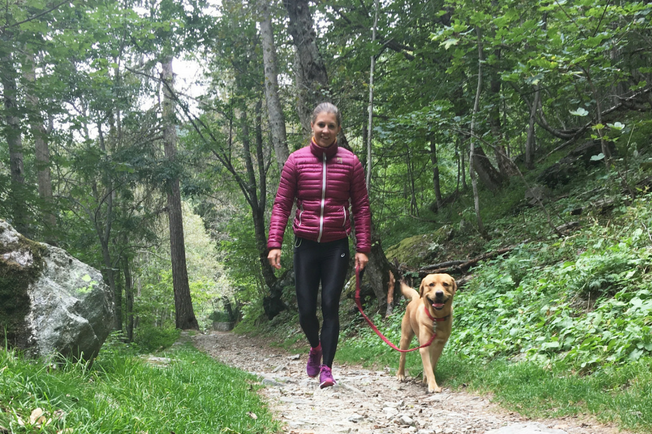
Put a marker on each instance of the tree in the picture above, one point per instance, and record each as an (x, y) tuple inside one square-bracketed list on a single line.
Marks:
[(13, 136), (185, 316)]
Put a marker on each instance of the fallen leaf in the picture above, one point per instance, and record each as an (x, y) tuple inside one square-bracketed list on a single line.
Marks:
[(37, 413), (252, 415)]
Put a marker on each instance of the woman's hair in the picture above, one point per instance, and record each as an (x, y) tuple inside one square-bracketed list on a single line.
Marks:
[(327, 108)]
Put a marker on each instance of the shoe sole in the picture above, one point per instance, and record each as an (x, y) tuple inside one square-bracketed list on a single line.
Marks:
[(326, 383)]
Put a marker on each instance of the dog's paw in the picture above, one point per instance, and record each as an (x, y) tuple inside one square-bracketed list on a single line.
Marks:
[(435, 389), (401, 377)]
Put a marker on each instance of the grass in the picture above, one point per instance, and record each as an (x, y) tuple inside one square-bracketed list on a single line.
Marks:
[(122, 393)]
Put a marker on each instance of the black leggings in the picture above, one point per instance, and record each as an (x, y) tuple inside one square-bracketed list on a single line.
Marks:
[(326, 263)]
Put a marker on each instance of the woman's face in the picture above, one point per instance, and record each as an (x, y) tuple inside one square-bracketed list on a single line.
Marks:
[(325, 129)]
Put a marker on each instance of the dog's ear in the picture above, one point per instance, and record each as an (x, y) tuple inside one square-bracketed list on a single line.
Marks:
[(454, 285), (422, 287)]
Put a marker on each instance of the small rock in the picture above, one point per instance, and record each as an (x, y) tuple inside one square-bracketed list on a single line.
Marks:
[(355, 418), (295, 357), (406, 420), (390, 412), (525, 428)]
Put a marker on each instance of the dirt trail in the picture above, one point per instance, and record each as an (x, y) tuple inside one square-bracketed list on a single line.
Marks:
[(367, 401)]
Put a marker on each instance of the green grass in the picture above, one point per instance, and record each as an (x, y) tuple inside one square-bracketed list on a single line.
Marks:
[(122, 393)]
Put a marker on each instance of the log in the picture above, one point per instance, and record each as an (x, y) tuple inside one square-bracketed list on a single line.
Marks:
[(465, 265)]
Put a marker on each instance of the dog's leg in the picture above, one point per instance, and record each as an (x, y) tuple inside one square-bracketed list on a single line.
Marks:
[(437, 348), (406, 337), (428, 369)]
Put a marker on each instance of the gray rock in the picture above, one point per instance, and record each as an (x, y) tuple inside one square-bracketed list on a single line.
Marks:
[(406, 420), (525, 428), (51, 302)]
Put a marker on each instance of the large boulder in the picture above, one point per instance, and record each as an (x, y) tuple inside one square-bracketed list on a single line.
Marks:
[(51, 303)]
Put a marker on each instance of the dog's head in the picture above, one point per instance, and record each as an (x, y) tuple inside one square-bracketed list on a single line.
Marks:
[(438, 290)]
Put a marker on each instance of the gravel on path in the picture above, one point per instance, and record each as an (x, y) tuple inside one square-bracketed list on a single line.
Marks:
[(366, 401)]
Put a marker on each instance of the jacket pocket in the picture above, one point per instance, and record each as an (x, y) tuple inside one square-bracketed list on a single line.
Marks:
[(299, 213)]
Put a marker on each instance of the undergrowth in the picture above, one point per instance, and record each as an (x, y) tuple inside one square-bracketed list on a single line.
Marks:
[(557, 326)]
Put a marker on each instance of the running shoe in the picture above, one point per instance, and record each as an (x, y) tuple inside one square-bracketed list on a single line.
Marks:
[(314, 361), (325, 377)]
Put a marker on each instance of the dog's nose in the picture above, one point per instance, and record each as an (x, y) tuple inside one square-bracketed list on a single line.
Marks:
[(439, 294)]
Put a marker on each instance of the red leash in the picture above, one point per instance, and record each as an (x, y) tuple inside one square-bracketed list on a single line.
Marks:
[(374, 328)]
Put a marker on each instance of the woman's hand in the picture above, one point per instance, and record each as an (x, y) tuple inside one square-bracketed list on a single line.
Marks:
[(361, 260), (274, 258)]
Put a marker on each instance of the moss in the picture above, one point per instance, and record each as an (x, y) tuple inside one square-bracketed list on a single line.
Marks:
[(420, 250), (14, 281)]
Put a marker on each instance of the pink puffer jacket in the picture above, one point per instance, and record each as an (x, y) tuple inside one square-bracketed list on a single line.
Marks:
[(322, 180)]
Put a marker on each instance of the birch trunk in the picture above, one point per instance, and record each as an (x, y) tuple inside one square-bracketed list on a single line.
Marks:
[(274, 108)]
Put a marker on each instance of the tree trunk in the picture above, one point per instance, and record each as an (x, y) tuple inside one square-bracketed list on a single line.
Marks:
[(103, 230), (435, 173), (15, 144), (41, 150), (312, 78), (185, 316), (482, 166), (371, 98), (472, 153), (530, 143), (273, 304), (129, 296), (274, 108), (504, 165)]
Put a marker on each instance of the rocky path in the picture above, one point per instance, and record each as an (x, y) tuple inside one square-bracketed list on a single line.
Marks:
[(365, 401)]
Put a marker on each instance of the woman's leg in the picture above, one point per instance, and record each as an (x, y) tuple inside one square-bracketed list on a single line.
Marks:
[(334, 265), (306, 274)]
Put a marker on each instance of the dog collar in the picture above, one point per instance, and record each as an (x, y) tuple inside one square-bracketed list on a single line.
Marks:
[(432, 317)]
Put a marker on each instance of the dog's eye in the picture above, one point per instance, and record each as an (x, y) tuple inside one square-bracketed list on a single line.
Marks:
[(446, 284)]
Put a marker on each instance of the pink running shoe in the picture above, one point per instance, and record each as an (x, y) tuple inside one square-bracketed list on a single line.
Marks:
[(314, 361), (325, 377)]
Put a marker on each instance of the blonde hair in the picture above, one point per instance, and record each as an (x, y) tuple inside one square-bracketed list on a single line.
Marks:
[(327, 107)]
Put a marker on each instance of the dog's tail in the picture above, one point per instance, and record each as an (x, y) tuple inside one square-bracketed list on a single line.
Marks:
[(409, 292)]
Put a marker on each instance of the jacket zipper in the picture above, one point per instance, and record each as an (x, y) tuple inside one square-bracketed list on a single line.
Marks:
[(323, 196)]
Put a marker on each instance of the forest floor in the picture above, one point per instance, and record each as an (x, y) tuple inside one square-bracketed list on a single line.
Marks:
[(368, 401)]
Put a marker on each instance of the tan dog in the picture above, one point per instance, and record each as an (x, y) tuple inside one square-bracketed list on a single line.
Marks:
[(429, 311)]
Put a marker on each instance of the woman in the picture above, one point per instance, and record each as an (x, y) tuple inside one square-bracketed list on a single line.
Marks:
[(324, 179)]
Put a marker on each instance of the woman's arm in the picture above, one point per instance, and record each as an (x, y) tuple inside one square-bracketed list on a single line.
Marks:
[(282, 205), (361, 211)]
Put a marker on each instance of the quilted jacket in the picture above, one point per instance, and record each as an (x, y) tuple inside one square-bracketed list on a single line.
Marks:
[(328, 185)]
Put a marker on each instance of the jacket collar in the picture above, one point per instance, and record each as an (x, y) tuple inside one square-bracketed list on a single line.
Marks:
[(319, 152)]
